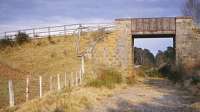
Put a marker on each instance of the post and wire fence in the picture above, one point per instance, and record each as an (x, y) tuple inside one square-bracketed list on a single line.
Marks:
[(62, 30), (36, 86)]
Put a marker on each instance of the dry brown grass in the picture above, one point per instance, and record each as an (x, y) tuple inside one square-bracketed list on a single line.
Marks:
[(80, 99), (107, 77), (42, 57), (196, 106), (39, 57)]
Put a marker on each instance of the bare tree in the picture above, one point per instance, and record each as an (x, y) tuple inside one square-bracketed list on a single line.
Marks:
[(192, 8)]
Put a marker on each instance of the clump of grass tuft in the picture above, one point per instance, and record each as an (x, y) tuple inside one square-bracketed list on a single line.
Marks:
[(6, 42), (195, 106), (59, 110), (153, 73), (65, 52), (131, 79), (53, 55), (22, 38), (107, 78), (51, 40), (140, 72), (84, 100), (39, 43)]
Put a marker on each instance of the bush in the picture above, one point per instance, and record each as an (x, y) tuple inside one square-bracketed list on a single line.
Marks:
[(107, 78), (51, 40), (195, 80), (6, 42), (131, 79), (153, 73), (22, 38), (177, 74), (140, 72)]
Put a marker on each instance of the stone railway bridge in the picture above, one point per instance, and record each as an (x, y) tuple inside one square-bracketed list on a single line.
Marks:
[(120, 48)]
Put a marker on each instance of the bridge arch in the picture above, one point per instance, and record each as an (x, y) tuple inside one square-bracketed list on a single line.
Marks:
[(180, 28)]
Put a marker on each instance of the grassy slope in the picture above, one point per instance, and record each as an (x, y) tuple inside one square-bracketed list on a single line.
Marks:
[(42, 57), (39, 57), (80, 99)]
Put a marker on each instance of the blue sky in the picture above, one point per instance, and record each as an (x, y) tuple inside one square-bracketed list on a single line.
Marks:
[(19, 14), (154, 44)]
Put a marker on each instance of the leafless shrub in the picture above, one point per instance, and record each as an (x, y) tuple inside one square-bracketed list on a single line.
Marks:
[(192, 8)]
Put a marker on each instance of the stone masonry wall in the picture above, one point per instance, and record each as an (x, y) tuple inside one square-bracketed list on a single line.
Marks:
[(117, 49), (187, 43)]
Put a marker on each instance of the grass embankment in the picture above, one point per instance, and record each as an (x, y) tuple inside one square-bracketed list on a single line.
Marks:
[(42, 57), (37, 57), (76, 99), (45, 57)]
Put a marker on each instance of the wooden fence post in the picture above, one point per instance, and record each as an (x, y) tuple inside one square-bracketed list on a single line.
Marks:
[(49, 32), (76, 78), (27, 88), (72, 78), (78, 39), (58, 81), (65, 33), (34, 33), (40, 82), (11, 93), (5, 35), (80, 76), (82, 64), (65, 79), (50, 83)]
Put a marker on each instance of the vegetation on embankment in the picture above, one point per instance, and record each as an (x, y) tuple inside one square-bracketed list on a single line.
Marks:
[(75, 99), (33, 58), (106, 78), (44, 57), (52, 55)]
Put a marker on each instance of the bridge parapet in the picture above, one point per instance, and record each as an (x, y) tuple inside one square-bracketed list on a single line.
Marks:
[(165, 25), (186, 41), (153, 25)]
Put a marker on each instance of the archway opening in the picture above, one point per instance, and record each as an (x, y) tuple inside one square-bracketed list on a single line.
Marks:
[(154, 51)]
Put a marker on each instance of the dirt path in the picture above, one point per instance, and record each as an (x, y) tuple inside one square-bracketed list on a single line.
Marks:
[(154, 95)]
